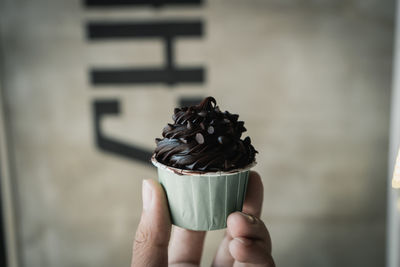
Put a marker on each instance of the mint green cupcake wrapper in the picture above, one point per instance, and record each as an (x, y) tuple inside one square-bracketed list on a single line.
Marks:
[(203, 202)]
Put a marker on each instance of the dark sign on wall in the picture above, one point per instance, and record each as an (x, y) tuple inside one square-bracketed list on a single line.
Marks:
[(167, 30)]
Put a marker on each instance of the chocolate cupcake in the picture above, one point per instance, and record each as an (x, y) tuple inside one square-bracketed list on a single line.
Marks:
[(203, 165)]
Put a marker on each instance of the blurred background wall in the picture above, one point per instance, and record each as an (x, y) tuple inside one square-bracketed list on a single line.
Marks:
[(311, 79)]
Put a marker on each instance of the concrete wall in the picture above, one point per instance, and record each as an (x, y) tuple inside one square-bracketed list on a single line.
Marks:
[(311, 79)]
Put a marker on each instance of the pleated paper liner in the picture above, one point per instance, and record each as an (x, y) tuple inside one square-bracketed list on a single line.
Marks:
[(202, 201)]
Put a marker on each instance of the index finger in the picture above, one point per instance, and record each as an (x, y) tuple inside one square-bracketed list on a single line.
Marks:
[(254, 195)]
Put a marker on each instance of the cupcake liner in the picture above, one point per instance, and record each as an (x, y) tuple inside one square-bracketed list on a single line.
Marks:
[(202, 201)]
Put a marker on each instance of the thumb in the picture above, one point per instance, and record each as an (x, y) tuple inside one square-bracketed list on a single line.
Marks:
[(150, 247)]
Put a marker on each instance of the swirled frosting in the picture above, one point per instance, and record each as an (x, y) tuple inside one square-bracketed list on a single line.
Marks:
[(202, 138)]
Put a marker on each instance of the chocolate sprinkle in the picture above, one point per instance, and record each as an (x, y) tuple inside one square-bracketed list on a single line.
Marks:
[(203, 138)]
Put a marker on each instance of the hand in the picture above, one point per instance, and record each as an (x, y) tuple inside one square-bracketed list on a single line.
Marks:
[(246, 242)]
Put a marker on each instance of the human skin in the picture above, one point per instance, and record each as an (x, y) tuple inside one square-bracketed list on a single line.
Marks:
[(246, 242)]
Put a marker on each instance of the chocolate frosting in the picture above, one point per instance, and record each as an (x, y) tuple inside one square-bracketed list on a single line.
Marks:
[(202, 138)]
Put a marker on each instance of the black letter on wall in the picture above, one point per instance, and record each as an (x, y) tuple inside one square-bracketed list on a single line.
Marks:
[(155, 3), (167, 31), (101, 108)]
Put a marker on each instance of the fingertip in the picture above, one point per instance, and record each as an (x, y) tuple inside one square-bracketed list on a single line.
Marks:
[(155, 185), (147, 195), (155, 207), (256, 180), (254, 195), (237, 221), (157, 190), (240, 224), (232, 218), (255, 174)]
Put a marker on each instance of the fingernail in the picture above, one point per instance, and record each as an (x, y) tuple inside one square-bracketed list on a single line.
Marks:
[(249, 218), (147, 195), (244, 241)]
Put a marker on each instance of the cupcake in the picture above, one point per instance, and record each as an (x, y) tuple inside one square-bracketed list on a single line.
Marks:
[(203, 165)]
